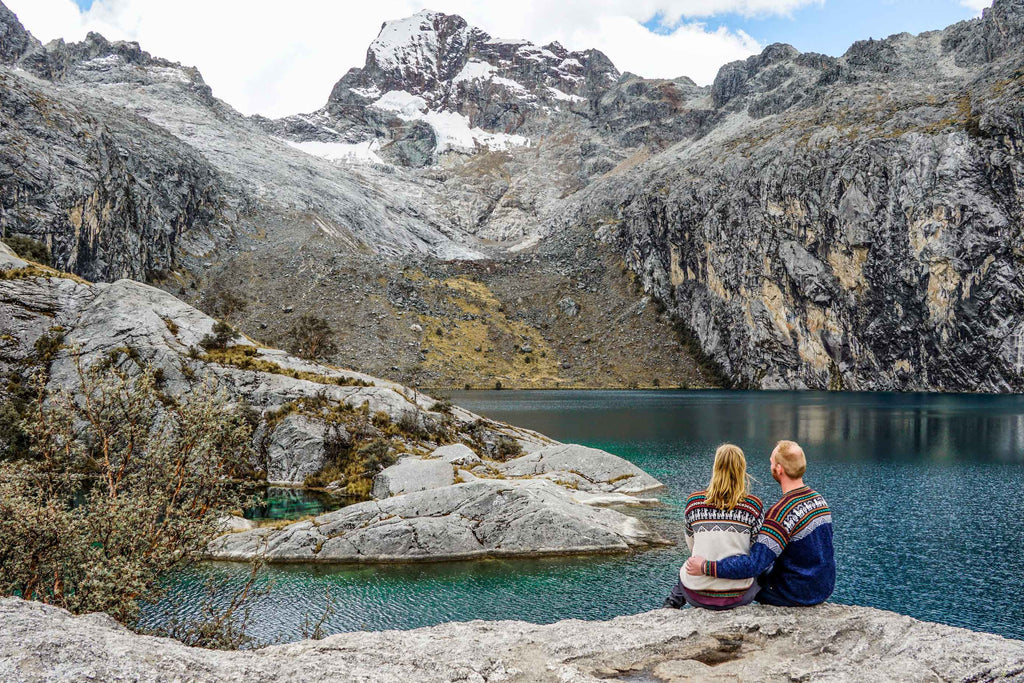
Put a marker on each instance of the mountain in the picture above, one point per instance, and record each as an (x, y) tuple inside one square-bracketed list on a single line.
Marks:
[(469, 210)]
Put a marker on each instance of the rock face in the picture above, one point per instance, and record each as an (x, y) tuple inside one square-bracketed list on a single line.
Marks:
[(411, 475), (295, 449), (472, 520), (850, 223), (825, 643), (587, 469)]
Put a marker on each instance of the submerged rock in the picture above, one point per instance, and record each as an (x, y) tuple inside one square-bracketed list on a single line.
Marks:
[(483, 518), (825, 643)]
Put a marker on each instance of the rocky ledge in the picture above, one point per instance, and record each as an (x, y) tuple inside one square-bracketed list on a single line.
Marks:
[(826, 643), (484, 518)]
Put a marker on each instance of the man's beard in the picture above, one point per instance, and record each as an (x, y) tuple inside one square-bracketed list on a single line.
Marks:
[(775, 476)]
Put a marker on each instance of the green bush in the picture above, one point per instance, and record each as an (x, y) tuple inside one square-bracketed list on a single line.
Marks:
[(223, 334), (117, 490), (29, 249)]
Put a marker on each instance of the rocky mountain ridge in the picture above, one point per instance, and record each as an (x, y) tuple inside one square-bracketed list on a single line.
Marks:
[(806, 221)]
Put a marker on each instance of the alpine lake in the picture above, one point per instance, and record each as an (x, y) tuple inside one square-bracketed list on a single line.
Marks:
[(927, 495)]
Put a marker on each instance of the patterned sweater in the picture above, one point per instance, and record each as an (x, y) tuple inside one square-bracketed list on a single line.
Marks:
[(793, 551), (715, 533)]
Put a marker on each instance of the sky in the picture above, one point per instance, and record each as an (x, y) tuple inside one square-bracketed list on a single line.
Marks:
[(277, 58)]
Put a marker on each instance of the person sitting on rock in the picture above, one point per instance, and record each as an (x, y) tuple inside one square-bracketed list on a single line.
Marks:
[(721, 520), (792, 557)]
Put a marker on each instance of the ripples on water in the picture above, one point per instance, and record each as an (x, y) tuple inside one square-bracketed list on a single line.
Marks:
[(925, 491)]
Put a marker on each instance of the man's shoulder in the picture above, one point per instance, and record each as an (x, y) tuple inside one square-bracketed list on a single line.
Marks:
[(794, 502)]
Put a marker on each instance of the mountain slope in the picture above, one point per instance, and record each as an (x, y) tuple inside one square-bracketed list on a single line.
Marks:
[(473, 210)]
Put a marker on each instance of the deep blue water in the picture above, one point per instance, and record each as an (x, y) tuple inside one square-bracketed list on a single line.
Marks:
[(926, 493)]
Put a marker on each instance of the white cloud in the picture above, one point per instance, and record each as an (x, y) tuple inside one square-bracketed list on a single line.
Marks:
[(976, 5), (278, 58)]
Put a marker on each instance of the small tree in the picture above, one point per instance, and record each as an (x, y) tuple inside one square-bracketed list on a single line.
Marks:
[(223, 334), (312, 337), (120, 487)]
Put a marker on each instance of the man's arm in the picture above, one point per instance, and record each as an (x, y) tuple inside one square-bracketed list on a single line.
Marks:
[(769, 545)]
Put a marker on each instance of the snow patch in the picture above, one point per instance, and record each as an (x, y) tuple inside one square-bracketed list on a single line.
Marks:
[(370, 93), (405, 104), (102, 62), (358, 152), (570, 63), (508, 41), (452, 129), (565, 97), (474, 70)]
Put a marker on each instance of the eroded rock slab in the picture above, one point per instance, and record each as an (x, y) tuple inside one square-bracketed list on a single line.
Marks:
[(412, 474), (827, 643), (484, 518), (587, 469)]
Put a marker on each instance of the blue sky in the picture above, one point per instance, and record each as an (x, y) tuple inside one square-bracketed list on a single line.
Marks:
[(832, 27)]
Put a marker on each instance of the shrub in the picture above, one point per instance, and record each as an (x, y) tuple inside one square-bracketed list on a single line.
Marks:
[(442, 405), (29, 249), (506, 448), (312, 338), (223, 334), (116, 491)]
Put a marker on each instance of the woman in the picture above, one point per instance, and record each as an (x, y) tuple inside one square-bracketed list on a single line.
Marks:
[(722, 520)]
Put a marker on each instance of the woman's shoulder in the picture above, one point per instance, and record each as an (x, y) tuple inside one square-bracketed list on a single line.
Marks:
[(754, 502), (697, 496)]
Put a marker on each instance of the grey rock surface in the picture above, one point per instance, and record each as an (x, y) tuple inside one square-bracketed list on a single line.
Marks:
[(483, 518), (295, 449), (589, 469), (810, 221), (456, 454), (40, 643), (411, 474)]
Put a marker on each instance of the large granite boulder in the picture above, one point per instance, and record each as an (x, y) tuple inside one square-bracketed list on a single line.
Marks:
[(484, 518), (412, 474), (40, 643), (587, 469), (295, 449)]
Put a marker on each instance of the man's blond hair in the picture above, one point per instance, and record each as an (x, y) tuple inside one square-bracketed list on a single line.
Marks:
[(792, 458)]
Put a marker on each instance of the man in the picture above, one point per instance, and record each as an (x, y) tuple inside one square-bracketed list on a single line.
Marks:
[(792, 557)]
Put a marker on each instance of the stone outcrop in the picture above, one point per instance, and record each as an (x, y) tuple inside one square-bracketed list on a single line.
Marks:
[(412, 474), (583, 468), (477, 519), (849, 223), (826, 643)]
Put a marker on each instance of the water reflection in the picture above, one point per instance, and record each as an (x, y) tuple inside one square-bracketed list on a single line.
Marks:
[(836, 427), (280, 502)]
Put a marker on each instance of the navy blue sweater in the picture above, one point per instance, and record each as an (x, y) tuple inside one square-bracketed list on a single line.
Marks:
[(792, 555)]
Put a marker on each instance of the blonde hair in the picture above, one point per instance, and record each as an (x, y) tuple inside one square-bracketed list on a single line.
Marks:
[(792, 458), (729, 480)]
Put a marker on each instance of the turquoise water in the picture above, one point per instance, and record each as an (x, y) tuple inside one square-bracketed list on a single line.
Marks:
[(926, 493), (281, 502)]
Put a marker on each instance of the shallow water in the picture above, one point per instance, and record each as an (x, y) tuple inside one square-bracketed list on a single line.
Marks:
[(925, 492), (282, 502)]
